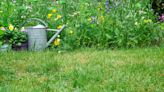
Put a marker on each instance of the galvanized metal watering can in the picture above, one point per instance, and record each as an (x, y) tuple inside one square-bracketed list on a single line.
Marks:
[(37, 35)]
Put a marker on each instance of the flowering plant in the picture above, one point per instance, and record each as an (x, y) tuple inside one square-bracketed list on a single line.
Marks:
[(90, 23)]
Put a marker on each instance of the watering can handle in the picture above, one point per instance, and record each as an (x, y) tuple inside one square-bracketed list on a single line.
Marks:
[(35, 19)]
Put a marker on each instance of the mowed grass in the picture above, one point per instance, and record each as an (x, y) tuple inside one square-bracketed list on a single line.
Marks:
[(86, 70)]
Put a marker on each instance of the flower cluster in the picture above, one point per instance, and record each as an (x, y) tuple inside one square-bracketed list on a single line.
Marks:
[(161, 18)]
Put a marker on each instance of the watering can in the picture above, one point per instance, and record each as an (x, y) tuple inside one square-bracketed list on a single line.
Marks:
[(37, 35)]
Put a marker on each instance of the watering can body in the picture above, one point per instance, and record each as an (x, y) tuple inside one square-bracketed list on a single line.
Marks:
[(37, 36)]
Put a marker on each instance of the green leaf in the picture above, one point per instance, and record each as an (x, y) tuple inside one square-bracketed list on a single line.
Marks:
[(138, 5), (108, 36), (1, 32)]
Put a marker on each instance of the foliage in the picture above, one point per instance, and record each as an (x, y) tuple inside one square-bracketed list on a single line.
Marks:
[(17, 11), (114, 24), (13, 37), (158, 6), (128, 24), (18, 38)]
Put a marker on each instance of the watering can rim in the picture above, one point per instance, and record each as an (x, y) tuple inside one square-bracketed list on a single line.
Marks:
[(39, 26), (35, 28)]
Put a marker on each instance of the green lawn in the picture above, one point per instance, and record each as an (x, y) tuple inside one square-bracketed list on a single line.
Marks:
[(87, 70)]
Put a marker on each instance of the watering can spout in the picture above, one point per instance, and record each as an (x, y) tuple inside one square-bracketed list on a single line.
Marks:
[(55, 35)]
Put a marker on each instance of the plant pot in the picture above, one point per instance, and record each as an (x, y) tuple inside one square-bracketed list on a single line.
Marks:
[(23, 46), (5, 47)]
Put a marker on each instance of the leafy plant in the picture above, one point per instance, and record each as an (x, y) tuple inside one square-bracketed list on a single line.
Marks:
[(14, 37), (18, 38)]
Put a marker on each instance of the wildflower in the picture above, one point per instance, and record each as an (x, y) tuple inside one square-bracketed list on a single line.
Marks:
[(22, 29), (11, 27), (142, 12), (58, 36), (142, 17), (1, 27), (74, 14), (57, 42), (71, 32), (101, 18), (107, 6), (59, 27), (100, 7), (136, 23), (162, 18), (89, 19), (147, 21), (49, 16), (59, 17), (54, 11), (59, 51)]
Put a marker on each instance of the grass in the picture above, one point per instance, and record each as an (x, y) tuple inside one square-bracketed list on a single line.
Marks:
[(86, 70)]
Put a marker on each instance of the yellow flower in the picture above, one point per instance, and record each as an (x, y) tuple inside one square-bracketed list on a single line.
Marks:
[(58, 36), (136, 23), (59, 27), (101, 18), (58, 17), (90, 19), (100, 6), (147, 21), (11, 27), (54, 11), (1, 27), (71, 32), (49, 16), (57, 42)]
